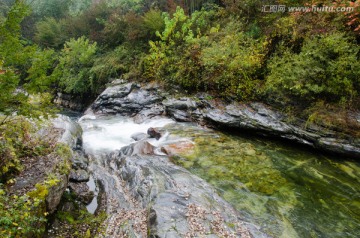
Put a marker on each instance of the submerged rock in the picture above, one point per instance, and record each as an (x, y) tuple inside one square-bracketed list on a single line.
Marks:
[(178, 148)]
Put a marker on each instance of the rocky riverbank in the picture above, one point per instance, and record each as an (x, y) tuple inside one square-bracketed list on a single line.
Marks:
[(151, 101)]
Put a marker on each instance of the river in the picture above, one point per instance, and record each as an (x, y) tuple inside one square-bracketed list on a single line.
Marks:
[(288, 191)]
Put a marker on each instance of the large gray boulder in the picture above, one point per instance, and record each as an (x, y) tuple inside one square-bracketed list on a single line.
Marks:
[(126, 99), (72, 132)]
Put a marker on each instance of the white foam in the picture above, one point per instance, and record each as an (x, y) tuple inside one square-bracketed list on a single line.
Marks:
[(112, 133)]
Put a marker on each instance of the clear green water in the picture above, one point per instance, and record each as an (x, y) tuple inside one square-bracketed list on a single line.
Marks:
[(287, 191)]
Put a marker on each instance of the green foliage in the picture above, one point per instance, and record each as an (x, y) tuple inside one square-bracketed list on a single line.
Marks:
[(195, 54), (115, 29), (327, 68), (18, 140), (50, 33), (231, 62), (77, 7), (24, 67), (11, 47), (19, 216), (50, 8), (153, 22), (175, 57), (73, 71), (115, 63)]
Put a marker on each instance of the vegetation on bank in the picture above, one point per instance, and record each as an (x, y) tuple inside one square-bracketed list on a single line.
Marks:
[(229, 48), (25, 153), (306, 63)]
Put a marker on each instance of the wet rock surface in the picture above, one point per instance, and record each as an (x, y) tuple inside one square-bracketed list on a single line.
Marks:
[(69, 101), (153, 133), (72, 131), (148, 193), (138, 148), (79, 175), (82, 192), (146, 102), (139, 136), (128, 100), (261, 118)]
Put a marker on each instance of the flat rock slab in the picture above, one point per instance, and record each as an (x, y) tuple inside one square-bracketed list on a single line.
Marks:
[(163, 199)]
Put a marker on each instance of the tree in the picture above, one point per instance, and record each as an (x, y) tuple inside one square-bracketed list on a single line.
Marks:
[(23, 69), (74, 69), (327, 68)]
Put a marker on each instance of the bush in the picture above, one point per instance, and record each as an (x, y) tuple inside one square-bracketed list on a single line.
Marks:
[(327, 68), (17, 141), (152, 23), (232, 61), (175, 57), (19, 216), (51, 33), (74, 69), (22, 67), (115, 63), (195, 54)]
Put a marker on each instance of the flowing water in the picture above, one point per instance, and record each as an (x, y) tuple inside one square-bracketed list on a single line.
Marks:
[(285, 190)]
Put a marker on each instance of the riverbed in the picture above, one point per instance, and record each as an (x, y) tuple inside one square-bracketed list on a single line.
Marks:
[(286, 190)]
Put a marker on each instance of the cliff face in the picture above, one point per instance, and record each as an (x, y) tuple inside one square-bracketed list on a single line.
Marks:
[(141, 102)]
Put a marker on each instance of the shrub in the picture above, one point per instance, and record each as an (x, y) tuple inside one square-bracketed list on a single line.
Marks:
[(19, 216), (50, 33), (231, 62), (115, 63), (74, 69), (18, 140), (152, 23), (327, 68), (22, 67), (175, 57)]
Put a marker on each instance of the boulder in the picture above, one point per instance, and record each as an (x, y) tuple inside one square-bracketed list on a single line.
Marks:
[(72, 131), (180, 109), (125, 99), (139, 136), (138, 148), (153, 133), (79, 175), (82, 192), (55, 193)]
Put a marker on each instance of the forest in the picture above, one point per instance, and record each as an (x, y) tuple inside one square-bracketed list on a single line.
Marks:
[(304, 63)]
